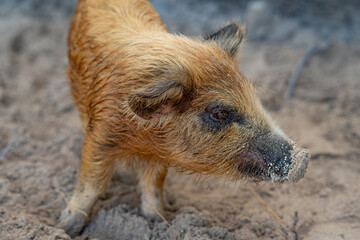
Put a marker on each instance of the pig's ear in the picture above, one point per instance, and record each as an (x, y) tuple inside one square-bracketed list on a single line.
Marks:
[(157, 100), (229, 38)]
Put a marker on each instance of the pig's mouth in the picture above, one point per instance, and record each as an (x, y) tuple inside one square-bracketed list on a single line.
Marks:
[(252, 164), (259, 166)]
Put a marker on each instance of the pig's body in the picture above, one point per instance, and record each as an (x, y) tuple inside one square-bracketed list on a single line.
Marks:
[(151, 100)]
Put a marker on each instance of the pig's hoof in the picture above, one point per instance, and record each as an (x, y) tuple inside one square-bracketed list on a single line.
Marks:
[(153, 217), (152, 214), (71, 221)]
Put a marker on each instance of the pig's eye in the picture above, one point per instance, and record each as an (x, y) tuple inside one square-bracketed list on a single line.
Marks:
[(217, 116), (219, 113)]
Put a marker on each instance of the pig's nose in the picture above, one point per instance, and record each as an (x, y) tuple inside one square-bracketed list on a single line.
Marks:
[(298, 165)]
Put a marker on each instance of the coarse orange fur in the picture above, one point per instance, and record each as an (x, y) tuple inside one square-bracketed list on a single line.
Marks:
[(140, 90), (114, 52)]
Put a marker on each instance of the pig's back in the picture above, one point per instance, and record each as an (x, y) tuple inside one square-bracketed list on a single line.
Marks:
[(98, 37)]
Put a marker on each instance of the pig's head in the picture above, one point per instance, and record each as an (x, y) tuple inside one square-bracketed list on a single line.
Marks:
[(204, 116)]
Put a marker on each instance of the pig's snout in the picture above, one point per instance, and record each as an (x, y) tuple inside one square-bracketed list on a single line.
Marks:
[(288, 163), (300, 160), (272, 157)]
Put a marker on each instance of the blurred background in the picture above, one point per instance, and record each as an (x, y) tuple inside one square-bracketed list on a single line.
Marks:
[(314, 43)]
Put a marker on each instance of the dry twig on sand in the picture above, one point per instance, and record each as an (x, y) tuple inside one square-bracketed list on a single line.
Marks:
[(67, 204), (296, 73), (167, 223), (7, 148), (267, 206), (296, 219)]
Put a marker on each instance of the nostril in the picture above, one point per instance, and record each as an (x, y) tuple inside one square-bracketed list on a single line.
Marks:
[(299, 164)]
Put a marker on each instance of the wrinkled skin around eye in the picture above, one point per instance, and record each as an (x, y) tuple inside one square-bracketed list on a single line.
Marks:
[(217, 116)]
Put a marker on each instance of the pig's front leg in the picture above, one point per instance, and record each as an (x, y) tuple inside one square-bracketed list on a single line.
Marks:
[(95, 171), (151, 177), (73, 217)]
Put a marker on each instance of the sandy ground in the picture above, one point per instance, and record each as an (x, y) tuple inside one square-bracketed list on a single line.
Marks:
[(37, 114)]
